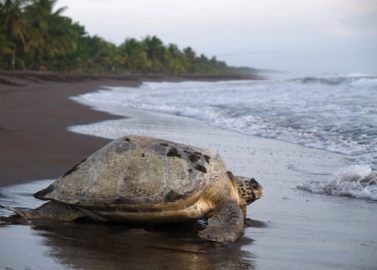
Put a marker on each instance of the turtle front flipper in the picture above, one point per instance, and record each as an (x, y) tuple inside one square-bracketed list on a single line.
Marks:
[(226, 223), (51, 210)]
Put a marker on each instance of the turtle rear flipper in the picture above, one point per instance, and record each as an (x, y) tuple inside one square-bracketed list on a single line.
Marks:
[(23, 212), (51, 210), (225, 225)]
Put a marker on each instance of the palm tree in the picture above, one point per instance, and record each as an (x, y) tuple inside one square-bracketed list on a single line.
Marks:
[(75, 59), (16, 30), (6, 51), (53, 36), (98, 55), (34, 34), (190, 57), (133, 57), (155, 51), (175, 59)]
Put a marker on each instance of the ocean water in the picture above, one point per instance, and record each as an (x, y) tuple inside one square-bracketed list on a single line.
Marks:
[(333, 113)]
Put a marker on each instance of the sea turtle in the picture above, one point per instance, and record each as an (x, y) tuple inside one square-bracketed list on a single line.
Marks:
[(142, 179)]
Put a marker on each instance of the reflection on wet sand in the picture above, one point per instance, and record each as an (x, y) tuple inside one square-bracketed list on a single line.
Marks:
[(43, 244), (87, 245)]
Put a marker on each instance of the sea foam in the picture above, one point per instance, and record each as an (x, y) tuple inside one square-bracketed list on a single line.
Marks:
[(354, 181), (334, 113)]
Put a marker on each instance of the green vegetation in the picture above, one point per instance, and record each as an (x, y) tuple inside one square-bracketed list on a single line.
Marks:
[(36, 36)]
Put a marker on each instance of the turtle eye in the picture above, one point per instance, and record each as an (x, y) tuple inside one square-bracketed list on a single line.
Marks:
[(254, 184)]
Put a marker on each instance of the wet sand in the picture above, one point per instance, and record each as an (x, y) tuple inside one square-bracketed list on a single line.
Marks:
[(291, 229), (34, 112)]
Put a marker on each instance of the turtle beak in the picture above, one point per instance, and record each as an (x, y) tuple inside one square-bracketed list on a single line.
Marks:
[(257, 189)]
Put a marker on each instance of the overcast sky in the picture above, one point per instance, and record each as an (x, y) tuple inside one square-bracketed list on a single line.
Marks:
[(337, 36)]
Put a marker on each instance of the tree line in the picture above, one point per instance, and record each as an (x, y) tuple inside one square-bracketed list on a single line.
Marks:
[(36, 36)]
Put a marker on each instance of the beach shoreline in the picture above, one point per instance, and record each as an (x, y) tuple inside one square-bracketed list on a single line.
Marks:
[(34, 142), (291, 228), (35, 111)]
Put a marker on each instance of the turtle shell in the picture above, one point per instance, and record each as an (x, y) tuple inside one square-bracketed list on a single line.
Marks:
[(136, 172)]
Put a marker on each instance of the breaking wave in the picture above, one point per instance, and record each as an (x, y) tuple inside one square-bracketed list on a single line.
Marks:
[(351, 79), (354, 181), (334, 113), (338, 118)]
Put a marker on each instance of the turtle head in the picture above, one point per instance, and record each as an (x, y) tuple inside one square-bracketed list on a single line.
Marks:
[(249, 189)]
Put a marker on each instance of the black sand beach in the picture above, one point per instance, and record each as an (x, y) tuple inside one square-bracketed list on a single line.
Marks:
[(35, 111), (291, 229)]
